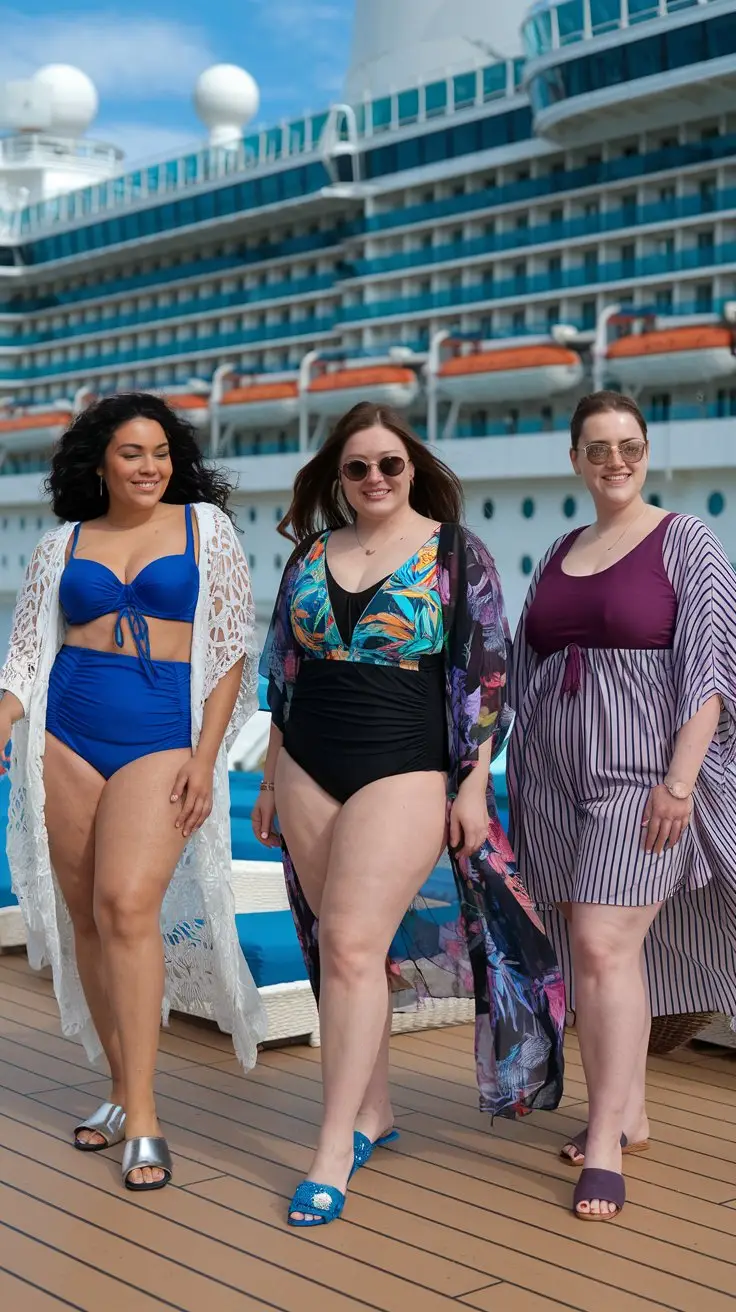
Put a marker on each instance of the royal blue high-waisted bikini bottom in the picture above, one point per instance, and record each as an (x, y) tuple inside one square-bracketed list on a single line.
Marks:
[(109, 710)]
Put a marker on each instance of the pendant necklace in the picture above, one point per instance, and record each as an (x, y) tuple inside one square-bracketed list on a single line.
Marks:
[(371, 551), (624, 532)]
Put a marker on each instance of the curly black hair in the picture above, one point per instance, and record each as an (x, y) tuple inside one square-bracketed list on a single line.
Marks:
[(73, 483)]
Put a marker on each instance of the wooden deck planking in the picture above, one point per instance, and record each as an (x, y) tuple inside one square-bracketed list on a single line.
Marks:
[(455, 1215)]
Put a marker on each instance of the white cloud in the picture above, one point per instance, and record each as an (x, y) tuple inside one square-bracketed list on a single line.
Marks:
[(143, 142), (138, 58)]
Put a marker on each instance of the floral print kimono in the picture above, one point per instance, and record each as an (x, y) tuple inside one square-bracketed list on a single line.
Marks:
[(491, 944)]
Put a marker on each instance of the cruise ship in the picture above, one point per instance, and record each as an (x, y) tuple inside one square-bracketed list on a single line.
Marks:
[(509, 206)]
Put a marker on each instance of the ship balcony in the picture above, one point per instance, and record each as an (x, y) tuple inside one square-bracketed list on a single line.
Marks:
[(676, 67)]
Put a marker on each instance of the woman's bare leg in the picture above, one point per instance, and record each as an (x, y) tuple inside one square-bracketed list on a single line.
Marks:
[(611, 1016), (384, 845), (636, 1121), (73, 790), (137, 847)]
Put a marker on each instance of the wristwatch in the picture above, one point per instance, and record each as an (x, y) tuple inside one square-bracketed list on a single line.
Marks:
[(678, 791)]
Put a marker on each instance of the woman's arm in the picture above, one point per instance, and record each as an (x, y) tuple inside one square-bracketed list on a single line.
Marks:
[(194, 782), (264, 811), (666, 815), (469, 814)]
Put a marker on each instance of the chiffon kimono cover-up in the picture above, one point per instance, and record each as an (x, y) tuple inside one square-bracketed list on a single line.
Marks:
[(690, 951), (205, 969), (496, 948)]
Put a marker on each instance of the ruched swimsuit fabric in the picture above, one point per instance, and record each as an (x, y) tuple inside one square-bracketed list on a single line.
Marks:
[(369, 700), (108, 707)]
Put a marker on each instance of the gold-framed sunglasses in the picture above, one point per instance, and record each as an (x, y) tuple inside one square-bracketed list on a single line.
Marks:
[(631, 451), (357, 470)]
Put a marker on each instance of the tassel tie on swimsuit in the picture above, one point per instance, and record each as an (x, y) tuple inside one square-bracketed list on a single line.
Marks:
[(573, 671), (138, 625)]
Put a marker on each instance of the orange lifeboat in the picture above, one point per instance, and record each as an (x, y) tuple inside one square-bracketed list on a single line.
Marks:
[(193, 405), (263, 405), (34, 431), (333, 393), (512, 373), (692, 354)]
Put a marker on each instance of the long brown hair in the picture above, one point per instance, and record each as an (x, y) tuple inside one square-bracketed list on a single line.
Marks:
[(598, 403), (318, 504)]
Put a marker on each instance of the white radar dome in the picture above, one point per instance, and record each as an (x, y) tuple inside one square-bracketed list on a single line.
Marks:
[(226, 98), (72, 95)]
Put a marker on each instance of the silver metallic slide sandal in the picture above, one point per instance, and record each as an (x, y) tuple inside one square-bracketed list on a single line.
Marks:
[(109, 1121), (146, 1152)]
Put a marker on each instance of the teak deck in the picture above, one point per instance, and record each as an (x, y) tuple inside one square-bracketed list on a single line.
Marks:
[(455, 1215)]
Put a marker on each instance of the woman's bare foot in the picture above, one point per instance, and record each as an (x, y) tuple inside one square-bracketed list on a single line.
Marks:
[(605, 1157), (93, 1137), (144, 1127), (635, 1140), (331, 1168)]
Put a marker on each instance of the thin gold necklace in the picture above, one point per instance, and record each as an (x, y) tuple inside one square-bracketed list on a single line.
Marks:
[(371, 551), (624, 531)]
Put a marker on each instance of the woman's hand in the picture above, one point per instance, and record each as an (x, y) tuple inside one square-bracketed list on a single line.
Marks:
[(6, 728), (193, 788), (262, 819), (469, 818), (665, 820)]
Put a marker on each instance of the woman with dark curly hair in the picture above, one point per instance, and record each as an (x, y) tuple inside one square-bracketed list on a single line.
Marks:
[(132, 664), (386, 663)]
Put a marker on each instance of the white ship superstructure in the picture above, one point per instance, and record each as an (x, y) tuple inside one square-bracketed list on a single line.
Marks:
[(502, 214)]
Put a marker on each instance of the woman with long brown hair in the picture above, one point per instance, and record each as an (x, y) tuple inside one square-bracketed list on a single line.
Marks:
[(386, 663)]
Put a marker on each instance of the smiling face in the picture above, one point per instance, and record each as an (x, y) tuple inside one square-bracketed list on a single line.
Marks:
[(381, 492), (618, 480), (137, 464)]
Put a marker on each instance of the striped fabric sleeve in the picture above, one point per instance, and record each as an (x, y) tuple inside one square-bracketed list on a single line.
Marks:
[(704, 649)]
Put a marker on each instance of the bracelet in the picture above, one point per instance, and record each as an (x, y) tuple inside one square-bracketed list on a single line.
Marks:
[(266, 787)]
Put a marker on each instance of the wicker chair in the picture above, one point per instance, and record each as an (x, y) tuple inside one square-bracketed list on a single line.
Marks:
[(670, 1032)]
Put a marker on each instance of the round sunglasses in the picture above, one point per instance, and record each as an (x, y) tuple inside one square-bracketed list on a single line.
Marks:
[(632, 451), (356, 470)]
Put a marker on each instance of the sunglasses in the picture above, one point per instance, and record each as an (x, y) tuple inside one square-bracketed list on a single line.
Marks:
[(598, 452), (356, 470)]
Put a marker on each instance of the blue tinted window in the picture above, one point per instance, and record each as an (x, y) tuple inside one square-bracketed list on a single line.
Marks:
[(435, 98), (716, 503), (569, 506), (527, 565), (570, 21), (527, 507), (641, 10), (605, 15), (381, 112), (494, 81), (464, 90), (408, 106), (538, 34)]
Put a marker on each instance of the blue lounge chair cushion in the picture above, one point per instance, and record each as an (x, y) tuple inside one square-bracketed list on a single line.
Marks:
[(271, 947)]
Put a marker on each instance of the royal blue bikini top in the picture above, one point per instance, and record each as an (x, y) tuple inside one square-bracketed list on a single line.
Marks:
[(165, 589)]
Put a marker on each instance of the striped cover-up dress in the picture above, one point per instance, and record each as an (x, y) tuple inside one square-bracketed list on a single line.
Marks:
[(595, 731)]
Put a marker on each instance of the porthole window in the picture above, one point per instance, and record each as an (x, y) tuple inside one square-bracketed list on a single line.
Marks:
[(488, 509), (252, 562), (527, 507), (277, 562), (252, 514), (22, 522), (4, 562), (278, 514), (527, 565), (569, 507), (716, 503), (654, 499), (39, 523), (22, 562)]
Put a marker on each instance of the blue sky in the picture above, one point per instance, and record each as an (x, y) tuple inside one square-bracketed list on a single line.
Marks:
[(144, 59)]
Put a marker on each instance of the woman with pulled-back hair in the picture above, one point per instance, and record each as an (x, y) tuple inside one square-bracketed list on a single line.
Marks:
[(386, 663), (622, 777), (132, 662)]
